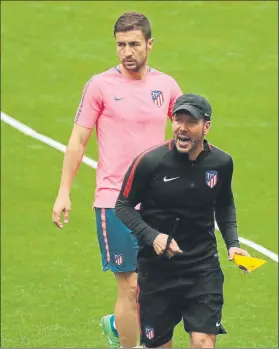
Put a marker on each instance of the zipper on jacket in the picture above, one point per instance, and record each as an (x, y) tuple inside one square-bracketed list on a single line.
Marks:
[(171, 235)]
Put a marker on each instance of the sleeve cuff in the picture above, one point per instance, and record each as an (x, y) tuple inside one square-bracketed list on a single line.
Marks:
[(233, 244), (151, 236)]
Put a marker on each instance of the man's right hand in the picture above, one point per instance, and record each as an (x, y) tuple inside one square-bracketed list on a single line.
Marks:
[(160, 244), (62, 204)]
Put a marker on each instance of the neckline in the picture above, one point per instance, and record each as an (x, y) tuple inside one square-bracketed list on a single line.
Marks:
[(117, 68)]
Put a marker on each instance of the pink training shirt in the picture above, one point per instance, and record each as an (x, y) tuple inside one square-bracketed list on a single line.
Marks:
[(130, 116)]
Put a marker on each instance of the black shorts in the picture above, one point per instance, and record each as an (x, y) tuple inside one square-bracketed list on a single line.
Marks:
[(163, 302)]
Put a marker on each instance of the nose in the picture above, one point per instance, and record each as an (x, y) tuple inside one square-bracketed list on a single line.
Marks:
[(183, 126), (128, 52)]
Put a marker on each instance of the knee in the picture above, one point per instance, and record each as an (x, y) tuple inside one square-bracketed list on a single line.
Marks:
[(202, 340), (127, 285)]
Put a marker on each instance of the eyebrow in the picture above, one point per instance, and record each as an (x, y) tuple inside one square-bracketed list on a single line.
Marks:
[(129, 42)]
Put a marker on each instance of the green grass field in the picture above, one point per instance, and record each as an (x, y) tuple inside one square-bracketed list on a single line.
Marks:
[(53, 290)]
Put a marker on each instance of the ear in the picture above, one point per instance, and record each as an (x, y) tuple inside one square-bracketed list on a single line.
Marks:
[(207, 126), (150, 44)]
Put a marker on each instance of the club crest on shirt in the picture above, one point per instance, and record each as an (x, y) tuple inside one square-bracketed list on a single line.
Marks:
[(211, 178), (157, 97), (149, 332), (118, 258)]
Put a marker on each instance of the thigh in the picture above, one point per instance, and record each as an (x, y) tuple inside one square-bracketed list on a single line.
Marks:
[(127, 285), (157, 315), (118, 245), (203, 303)]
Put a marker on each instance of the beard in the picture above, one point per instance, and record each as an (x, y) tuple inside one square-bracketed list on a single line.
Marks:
[(133, 65)]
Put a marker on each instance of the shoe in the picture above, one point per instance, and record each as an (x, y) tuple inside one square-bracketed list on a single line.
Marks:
[(109, 331)]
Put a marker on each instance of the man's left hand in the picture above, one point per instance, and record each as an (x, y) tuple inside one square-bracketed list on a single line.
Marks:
[(237, 250)]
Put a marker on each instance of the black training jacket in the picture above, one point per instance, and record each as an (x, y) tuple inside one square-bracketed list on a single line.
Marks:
[(179, 197)]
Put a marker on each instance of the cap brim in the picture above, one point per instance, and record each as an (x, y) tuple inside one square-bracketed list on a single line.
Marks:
[(191, 109)]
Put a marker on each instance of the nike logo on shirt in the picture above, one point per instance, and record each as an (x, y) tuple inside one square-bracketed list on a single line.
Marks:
[(169, 179)]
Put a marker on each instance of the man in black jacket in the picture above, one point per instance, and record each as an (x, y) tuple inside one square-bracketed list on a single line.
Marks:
[(182, 186)]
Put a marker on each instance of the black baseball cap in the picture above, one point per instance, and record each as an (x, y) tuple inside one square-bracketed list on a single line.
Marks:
[(196, 105)]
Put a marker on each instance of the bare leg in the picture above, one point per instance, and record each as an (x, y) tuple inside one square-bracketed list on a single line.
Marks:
[(202, 340), (126, 319)]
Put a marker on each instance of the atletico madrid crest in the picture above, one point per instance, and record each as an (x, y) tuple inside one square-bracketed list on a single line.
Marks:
[(157, 97), (118, 258), (149, 333), (211, 178)]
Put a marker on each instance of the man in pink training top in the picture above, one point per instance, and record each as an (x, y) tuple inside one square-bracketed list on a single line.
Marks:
[(128, 105)]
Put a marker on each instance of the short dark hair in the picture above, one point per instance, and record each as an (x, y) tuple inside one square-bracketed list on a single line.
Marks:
[(133, 21)]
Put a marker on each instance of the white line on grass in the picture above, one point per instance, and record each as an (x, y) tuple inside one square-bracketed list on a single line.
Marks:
[(54, 144), (49, 141)]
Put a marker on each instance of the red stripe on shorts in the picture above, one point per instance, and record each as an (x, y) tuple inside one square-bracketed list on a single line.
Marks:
[(104, 229)]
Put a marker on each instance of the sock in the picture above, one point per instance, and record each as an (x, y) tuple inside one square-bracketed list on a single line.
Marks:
[(112, 325)]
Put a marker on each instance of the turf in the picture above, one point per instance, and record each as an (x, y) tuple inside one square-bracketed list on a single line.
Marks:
[(53, 290)]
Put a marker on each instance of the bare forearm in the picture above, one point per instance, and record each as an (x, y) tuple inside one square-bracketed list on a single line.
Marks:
[(71, 164)]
